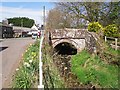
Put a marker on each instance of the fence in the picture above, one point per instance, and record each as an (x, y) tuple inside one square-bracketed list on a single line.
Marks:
[(115, 40)]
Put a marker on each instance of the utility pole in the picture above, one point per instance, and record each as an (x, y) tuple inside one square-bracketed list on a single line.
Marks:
[(21, 26), (45, 32), (44, 16)]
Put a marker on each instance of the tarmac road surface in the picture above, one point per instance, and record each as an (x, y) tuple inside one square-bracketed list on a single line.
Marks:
[(11, 51)]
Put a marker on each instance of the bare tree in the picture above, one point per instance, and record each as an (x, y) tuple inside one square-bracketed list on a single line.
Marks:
[(58, 19), (92, 11), (78, 14)]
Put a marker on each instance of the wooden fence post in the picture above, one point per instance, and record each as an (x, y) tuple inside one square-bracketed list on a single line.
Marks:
[(115, 43), (105, 39)]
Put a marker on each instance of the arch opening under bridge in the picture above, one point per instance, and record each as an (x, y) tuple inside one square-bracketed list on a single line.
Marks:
[(65, 48)]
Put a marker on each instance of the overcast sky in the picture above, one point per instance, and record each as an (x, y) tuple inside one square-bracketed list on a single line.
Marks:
[(33, 10)]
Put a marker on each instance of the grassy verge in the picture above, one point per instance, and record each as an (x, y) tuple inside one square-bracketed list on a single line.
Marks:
[(27, 74), (113, 51), (92, 70), (51, 74)]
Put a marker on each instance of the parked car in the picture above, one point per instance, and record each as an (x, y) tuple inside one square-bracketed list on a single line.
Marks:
[(34, 35)]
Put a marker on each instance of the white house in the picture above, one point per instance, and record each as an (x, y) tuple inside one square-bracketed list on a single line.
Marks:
[(34, 27)]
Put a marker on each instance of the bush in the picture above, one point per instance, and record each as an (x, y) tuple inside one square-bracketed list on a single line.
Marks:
[(111, 31), (94, 27)]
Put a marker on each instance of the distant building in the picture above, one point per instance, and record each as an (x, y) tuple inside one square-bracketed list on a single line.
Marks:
[(6, 31), (5, 22), (34, 27), (24, 31), (21, 31)]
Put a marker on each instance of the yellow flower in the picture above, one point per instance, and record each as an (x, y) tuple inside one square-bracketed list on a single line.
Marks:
[(22, 55)]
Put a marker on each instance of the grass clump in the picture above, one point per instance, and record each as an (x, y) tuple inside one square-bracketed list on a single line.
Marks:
[(27, 74), (113, 51), (92, 70)]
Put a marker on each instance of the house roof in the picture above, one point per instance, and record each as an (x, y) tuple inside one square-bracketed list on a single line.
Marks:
[(34, 27), (15, 28)]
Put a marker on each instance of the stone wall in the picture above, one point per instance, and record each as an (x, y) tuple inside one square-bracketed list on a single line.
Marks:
[(78, 37)]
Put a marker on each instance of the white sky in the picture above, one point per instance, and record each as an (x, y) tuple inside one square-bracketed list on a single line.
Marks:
[(10, 12)]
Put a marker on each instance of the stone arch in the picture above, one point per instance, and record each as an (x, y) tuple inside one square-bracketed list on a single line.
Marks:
[(65, 40), (65, 47)]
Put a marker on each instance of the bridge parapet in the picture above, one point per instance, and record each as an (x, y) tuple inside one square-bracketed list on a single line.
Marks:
[(78, 37), (68, 33)]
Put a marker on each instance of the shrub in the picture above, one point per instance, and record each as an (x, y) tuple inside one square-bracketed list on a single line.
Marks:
[(94, 27), (111, 31)]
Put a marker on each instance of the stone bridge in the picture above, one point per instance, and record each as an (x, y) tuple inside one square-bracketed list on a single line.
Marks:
[(78, 38)]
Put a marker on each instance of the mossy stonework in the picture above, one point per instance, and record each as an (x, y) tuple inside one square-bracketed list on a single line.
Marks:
[(81, 39)]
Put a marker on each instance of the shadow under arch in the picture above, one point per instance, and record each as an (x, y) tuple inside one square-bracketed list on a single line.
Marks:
[(65, 48)]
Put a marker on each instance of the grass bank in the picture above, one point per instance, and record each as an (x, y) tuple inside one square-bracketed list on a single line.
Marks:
[(90, 69), (27, 74)]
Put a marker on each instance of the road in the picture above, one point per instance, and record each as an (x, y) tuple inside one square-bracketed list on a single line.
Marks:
[(10, 57)]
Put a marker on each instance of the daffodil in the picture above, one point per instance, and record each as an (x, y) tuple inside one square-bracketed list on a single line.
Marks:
[(17, 69), (22, 55), (26, 64), (30, 61), (26, 50)]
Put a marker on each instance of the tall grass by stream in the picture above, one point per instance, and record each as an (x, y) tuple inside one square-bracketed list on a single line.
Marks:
[(51, 75)]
